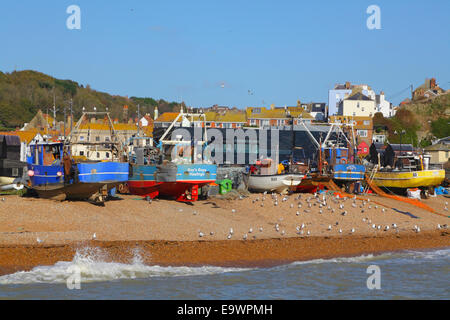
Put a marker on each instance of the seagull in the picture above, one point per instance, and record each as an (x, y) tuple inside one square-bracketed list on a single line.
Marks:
[(353, 230), (39, 240), (298, 213), (340, 230), (394, 225), (439, 226), (211, 233), (200, 234), (379, 227), (229, 237), (261, 229), (231, 231), (94, 236), (329, 227), (303, 226), (418, 229), (386, 228), (195, 213), (292, 205), (344, 213), (308, 233), (383, 210), (299, 205), (3, 199), (320, 211), (245, 237), (233, 210), (374, 226), (283, 233), (250, 231)]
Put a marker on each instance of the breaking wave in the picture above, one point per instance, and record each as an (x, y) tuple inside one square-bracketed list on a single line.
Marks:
[(90, 264)]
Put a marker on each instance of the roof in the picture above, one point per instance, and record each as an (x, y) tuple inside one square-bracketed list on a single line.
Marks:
[(167, 117), (438, 147), (24, 136), (358, 96), (403, 147), (277, 113)]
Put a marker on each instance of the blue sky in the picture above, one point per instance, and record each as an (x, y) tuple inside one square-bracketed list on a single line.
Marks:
[(281, 51)]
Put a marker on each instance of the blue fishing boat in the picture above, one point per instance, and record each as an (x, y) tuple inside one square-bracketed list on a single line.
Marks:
[(167, 170), (53, 174), (342, 168)]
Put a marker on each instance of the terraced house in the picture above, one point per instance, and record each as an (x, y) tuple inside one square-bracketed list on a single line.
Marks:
[(261, 117)]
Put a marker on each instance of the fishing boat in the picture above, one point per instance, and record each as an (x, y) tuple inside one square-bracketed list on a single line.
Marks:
[(333, 161), (170, 168), (404, 169), (55, 173), (280, 183), (12, 169)]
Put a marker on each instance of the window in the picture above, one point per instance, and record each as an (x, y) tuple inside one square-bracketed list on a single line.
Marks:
[(256, 110), (98, 154), (366, 122), (81, 153), (362, 109), (81, 138), (107, 154), (107, 139), (253, 122), (362, 133), (97, 138), (357, 105)]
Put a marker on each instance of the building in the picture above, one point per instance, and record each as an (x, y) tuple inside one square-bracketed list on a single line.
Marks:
[(384, 106), (261, 117), (440, 153), (343, 91), (357, 105), (362, 126), (428, 90)]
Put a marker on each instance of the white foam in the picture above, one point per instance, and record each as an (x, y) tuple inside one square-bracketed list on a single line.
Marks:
[(90, 263)]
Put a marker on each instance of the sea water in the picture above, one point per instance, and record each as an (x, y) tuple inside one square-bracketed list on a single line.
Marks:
[(405, 275)]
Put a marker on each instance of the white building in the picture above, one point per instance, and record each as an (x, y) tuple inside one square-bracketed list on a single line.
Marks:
[(357, 105), (384, 106)]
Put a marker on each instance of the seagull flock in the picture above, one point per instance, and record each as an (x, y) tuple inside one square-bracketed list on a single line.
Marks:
[(326, 206)]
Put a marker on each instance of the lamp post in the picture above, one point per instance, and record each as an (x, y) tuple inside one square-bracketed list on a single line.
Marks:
[(401, 133)]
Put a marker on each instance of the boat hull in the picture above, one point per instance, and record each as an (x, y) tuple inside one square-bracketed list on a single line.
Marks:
[(273, 183), (348, 172), (179, 182), (413, 179), (92, 180)]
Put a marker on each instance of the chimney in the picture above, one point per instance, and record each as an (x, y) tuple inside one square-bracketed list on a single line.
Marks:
[(433, 83), (156, 113), (347, 85)]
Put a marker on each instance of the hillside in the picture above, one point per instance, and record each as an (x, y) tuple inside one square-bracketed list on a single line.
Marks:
[(423, 121), (433, 116), (23, 93)]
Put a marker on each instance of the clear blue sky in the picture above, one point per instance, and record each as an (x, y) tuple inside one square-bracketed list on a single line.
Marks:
[(280, 50)]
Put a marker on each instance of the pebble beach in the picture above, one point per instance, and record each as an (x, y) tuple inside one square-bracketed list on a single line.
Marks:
[(255, 230)]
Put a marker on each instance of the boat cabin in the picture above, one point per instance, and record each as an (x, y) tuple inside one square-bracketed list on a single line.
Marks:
[(45, 153)]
